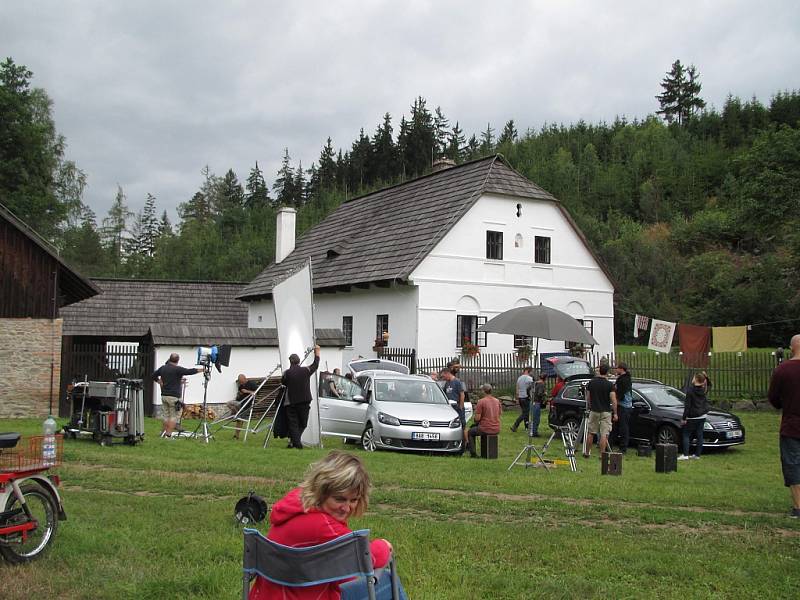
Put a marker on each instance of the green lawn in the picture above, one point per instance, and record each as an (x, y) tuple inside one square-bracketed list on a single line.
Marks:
[(155, 521)]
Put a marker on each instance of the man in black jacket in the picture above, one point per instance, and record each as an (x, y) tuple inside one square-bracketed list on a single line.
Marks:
[(169, 376), (297, 401), (624, 389), (695, 409)]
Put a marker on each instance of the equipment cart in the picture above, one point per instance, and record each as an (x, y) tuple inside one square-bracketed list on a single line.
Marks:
[(107, 411)]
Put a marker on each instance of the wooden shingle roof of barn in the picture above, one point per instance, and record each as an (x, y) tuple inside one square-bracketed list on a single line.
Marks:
[(128, 307), (381, 237), (191, 335)]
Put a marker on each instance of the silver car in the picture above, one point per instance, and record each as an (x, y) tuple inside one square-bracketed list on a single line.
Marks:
[(391, 410)]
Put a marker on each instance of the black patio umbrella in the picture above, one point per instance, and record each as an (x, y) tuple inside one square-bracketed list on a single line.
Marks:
[(539, 322)]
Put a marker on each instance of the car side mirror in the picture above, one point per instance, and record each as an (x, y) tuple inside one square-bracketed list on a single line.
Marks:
[(359, 398), (642, 405)]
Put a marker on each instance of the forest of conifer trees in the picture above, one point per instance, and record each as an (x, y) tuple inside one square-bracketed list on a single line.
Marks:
[(694, 210)]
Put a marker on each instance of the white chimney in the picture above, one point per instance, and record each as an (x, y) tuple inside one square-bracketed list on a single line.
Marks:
[(284, 236)]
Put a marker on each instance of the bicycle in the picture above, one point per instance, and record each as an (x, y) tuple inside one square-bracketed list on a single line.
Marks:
[(29, 501)]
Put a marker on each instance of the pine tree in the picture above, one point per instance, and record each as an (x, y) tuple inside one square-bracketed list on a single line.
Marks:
[(147, 243), (487, 140), (284, 183), (230, 195), (421, 139), (165, 227), (441, 132), (456, 144), (384, 151), (473, 148), (508, 135), (257, 195), (681, 96), (115, 226), (299, 186), (326, 171), (361, 162)]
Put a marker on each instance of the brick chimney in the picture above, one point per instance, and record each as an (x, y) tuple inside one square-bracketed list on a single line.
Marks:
[(284, 233), (440, 164)]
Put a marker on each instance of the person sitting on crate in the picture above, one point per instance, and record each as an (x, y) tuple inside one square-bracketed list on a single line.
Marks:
[(246, 393), (168, 376), (486, 417)]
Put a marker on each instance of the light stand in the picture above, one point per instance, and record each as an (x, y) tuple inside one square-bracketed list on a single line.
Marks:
[(203, 425), (530, 448)]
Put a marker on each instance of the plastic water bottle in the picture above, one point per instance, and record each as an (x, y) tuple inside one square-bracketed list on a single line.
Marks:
[(49, 441)]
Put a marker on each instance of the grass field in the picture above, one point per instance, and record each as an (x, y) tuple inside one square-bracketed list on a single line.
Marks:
[(156, 521)]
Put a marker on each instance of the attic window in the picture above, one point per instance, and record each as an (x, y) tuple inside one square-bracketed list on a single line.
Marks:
[(334, 251)]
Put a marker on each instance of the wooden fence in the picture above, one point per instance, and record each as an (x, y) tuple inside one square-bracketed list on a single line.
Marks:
[(101, 362), (735, 376)]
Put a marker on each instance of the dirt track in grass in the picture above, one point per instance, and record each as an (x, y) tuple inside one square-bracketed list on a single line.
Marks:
[(260, 482)]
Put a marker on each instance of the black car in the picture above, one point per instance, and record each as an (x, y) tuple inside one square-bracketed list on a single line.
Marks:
[(655, 417)]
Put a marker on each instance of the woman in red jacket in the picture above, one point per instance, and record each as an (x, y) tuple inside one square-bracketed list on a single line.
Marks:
[(334, 489)]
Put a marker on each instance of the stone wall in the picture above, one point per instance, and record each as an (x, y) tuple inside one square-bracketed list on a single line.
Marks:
[(29, 349)]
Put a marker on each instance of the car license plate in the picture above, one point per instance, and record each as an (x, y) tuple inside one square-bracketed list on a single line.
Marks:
[(736, 433), (424, 435)]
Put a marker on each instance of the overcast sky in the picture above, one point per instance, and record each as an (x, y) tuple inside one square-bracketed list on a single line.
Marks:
[(147, 93)]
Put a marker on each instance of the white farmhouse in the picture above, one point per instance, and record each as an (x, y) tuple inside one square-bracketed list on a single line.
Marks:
[(431, 259)]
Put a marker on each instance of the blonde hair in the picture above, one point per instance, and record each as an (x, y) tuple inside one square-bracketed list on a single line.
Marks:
[(337, 473)]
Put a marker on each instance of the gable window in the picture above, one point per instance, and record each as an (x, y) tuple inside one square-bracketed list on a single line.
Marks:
[(494, 245), (588, 324), (381, 326), (522, 340), (467, 329), (541, 250), (347, 330)]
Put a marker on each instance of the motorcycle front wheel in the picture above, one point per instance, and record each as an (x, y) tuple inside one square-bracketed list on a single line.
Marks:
[(17, 548)]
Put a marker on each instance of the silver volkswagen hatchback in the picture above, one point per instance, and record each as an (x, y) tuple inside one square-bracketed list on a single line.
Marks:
[(390, 410)]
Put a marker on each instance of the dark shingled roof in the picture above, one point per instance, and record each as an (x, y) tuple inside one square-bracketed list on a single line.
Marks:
[(383, 236), (191, 335), (127, 308), (73, 287)]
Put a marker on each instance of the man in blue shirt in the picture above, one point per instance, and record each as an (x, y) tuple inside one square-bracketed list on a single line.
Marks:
[(454, 390)]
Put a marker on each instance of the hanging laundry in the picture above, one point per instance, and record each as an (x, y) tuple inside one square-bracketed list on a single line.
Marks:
[(661, 334), (639, 323), (730, 339), (695, 342)]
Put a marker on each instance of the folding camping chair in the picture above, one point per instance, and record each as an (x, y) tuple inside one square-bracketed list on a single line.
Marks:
[(342, 558)]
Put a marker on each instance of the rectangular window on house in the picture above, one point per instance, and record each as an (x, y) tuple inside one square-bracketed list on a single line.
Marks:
[(522, 340), (347, 330), (467, 330), (494, 245), (541, 250), (588, 325), (381, 326)]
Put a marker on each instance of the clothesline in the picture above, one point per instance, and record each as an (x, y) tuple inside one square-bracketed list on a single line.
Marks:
[(622, 310)]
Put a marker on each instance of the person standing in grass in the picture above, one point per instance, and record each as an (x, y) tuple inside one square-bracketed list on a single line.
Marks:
[(601, 401), (695, 410), (524, 382), (624, 390), (169, 376), (454, 390), (784, 394), (537, 394)]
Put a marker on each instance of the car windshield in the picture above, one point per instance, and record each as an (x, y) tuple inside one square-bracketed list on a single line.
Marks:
[(665, 397), (408, 390), (376, 363)]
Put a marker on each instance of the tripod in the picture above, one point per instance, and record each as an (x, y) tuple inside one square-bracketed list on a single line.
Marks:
[(530, 448), (203, 425), (568, 440)]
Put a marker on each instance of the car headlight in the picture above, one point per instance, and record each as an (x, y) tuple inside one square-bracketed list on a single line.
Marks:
[(388, 419), (708, 426), (455, 423)]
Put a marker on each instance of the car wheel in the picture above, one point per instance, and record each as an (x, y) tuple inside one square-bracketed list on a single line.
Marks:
[(572, 425), (368, 439), (667, 435)]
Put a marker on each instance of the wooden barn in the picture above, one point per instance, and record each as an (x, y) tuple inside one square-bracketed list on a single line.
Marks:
[(34, 286)]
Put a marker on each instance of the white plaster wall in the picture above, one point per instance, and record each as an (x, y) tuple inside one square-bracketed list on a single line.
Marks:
[(252, 361), (457, 271), (399, 302)]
